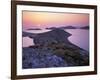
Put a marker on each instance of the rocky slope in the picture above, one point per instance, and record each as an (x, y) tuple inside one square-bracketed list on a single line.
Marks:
[(52, 49)]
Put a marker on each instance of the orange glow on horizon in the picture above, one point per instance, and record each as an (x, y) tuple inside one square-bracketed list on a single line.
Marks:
[(46, 18)]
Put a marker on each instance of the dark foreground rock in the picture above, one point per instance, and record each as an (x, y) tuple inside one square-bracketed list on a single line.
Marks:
[(36, 58)]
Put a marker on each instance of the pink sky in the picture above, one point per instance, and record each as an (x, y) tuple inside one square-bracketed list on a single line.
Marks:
[(49, 19)]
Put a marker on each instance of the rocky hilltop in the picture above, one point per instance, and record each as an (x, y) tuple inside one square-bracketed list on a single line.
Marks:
[(53, 49), (54, 36)]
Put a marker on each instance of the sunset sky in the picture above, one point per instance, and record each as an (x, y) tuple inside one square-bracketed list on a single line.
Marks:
[(48, 19)]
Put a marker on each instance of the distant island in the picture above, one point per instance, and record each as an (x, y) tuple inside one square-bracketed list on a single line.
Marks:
[(68, 27), (85, 27), (53, 49), (51, 28), (65, 27), (34, 29)]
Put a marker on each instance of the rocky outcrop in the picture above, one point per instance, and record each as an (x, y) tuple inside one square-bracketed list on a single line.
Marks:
[(54, 36), (53, 49), (41, 58)]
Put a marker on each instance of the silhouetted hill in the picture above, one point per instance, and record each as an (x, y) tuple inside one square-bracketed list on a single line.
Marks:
[(34, 29), (68, 27), (85, 27), (51, 28), (64, 27)]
